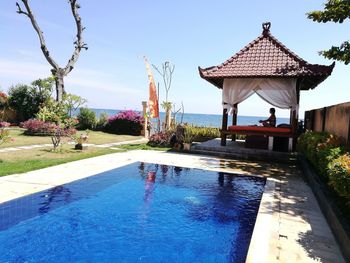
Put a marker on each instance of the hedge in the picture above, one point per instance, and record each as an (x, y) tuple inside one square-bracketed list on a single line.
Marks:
[(331, 160)]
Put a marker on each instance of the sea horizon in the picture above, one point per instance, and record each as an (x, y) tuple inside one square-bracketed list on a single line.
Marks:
[(201, 119)]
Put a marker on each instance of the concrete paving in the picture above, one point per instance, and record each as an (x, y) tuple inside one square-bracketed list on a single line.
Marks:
[(289, 228), (106, 145)]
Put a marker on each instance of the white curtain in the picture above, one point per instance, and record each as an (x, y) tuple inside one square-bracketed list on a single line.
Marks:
[(280, 92)]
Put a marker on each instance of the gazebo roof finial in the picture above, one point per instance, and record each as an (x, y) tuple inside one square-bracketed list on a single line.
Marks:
[(266, 27), (266, 57)]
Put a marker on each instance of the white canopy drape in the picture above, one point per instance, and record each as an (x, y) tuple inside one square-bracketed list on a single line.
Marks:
[(280, 92)]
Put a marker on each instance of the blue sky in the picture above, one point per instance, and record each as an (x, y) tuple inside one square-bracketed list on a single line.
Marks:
[(111, 74)]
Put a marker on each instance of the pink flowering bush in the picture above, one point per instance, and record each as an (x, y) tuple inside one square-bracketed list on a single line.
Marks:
[(4, 124), (160, 139), (38, 127), (129, 115), (126, 122)]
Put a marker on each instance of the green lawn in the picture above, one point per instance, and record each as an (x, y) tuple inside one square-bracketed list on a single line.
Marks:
[(142, 146), (95, 137), (28, 160)]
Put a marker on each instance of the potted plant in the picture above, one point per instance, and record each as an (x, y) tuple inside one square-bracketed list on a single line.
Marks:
[(80, 139), (187, 140)]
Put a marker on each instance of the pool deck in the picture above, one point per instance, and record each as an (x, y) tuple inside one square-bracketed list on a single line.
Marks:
[(290, 226), (237, 149)]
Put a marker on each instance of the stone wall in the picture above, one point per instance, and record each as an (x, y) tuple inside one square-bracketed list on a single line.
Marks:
[(334, 119)]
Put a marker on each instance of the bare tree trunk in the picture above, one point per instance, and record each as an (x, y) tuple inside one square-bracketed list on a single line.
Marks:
[(59, 88), (59, 81)]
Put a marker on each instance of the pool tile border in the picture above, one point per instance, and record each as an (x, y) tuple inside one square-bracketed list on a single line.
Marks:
[(263, 228)]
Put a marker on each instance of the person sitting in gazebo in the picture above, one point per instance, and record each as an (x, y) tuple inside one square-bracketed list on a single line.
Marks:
[(271, 121)]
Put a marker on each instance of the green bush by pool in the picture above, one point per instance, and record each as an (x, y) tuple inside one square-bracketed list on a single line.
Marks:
[(331, 160)]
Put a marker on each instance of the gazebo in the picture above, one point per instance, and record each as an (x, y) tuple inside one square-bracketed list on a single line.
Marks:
[(272, 71)]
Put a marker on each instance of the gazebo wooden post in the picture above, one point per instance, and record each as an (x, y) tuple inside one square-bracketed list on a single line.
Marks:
[(295, 116), (224, 127), (234, 120)]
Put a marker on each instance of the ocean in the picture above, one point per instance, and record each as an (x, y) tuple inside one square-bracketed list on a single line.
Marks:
[(207, 120)]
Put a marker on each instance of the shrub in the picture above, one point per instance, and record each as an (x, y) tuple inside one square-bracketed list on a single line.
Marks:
[(320, 148), (3, 100), (4, 124), (325, 157), (72, 103), (331, 160), (102, 121), (160, 139), (4, 136), (52, 111), (339, 175), (125, 122), (201, 134), (26, 100), (70, 122), (38, 127), (87, 119)]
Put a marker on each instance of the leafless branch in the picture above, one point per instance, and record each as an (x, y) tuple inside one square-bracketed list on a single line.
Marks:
[(31, 16), (79, 43), (20, 11), (166, 72)]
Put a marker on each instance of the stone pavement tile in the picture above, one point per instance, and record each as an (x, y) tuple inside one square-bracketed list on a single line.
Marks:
[(103, 146), (292, 215), (115, 143), (296, 228), (25, 147), (290, 256), (12, 149), (37, 146), (12, 190), (307, 239)]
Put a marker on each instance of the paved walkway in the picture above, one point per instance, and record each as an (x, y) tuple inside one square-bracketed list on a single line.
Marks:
[(290, 226), (106, 145)]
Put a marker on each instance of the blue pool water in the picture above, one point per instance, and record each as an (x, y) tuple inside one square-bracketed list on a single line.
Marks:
[(137, 213)]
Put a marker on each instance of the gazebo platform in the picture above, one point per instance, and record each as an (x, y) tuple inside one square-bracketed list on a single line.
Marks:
[(237, 149)]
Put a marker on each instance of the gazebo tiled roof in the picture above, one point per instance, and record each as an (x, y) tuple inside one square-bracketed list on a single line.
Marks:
[(267, 57)]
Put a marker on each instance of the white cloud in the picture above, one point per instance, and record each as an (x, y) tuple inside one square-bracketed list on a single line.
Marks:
[(12, 72), (22, 71)]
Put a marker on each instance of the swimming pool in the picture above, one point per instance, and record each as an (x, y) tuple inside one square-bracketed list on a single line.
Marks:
[(137, 213)]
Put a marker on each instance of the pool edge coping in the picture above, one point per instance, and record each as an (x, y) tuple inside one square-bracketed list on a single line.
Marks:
[(262, 236)]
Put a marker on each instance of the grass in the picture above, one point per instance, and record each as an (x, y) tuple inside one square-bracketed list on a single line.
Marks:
[(142, 146), (29, 160), (95, 137)]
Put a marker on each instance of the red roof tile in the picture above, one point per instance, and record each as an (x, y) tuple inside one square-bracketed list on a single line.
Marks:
[(267, 57)]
